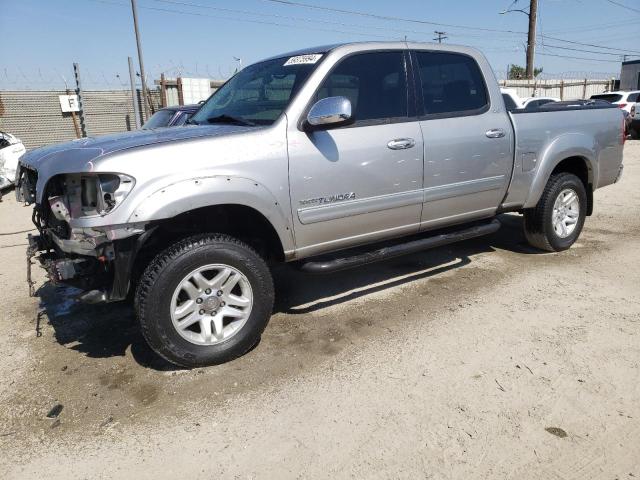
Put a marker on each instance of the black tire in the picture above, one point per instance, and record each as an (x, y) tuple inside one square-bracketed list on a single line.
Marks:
[(538, 226), (166, 271)]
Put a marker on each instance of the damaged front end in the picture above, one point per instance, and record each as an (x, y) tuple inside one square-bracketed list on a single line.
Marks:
[(96, 260)]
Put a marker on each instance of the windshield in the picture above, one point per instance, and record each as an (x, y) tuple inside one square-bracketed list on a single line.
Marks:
[(609, 97), (159, 119), (258, 94)]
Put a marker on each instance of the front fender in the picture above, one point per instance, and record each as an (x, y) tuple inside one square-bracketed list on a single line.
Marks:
[(565, 146), (186, 195)]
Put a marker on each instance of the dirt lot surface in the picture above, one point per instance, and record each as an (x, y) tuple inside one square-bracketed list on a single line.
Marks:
[(482, 360)]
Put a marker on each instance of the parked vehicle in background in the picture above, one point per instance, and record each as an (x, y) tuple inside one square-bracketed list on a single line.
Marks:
[(313, 157), (634, 117), (627, 123), (535, 102), (11, 149), (623, 100), (512, 100), (171, 116), (629, 101)]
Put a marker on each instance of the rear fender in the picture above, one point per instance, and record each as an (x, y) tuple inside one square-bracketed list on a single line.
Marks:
[(565, 146)]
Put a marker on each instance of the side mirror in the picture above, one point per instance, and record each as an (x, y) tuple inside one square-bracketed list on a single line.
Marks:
[(330, 111)]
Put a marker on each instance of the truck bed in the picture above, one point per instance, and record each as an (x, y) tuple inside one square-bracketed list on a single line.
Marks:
[(592, 131)]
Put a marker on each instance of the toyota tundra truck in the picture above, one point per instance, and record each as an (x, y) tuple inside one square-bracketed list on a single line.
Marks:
[(329, 157)]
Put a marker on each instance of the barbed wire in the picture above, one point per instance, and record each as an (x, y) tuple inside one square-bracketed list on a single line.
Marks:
[(15, 78), (569, 75)]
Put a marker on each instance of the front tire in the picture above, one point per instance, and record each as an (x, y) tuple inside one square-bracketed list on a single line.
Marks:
[(204, 300), (555, 223)]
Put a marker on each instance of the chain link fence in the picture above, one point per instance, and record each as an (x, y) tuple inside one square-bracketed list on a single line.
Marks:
[(36, 117)]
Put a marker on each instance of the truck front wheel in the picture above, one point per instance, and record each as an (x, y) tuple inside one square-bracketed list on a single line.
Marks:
[(205, 300), (555, 223)]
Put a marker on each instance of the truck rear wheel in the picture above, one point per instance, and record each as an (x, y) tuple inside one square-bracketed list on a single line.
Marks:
[(555, 223), (205, 300)]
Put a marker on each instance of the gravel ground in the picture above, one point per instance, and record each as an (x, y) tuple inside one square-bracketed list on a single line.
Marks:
[(485, 359)]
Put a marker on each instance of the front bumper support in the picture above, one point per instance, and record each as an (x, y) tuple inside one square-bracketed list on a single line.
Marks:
[(103, 278)]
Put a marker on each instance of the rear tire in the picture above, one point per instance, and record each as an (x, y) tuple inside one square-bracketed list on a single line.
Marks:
[(204, 300), (555, 223)]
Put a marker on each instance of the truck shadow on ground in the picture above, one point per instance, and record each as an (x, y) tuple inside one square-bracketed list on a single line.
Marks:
[(103, 331)]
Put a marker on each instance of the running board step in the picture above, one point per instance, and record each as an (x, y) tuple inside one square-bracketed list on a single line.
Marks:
[(413, 246)]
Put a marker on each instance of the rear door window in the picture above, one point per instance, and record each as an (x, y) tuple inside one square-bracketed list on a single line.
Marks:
[(452, 84)]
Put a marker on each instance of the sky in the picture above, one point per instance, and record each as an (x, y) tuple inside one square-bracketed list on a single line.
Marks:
[(40, 39)]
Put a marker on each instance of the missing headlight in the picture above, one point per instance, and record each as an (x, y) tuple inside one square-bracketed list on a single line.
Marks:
[(113, 189), (89, 195), (89, 192)]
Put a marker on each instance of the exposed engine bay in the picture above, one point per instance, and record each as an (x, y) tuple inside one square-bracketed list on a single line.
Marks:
[(95, 260)]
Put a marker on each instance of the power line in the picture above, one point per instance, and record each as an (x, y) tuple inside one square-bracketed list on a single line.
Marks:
[(386, 17), (589, 44), (578, 58), (260, 22), (342, 24), (591, 27), (413, 20), (624, 6), (582, 50), (287, 17)]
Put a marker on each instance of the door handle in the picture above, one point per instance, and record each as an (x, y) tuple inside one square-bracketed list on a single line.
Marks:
[(401, 143), (495, 133)]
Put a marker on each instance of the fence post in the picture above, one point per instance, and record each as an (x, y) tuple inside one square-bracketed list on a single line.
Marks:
[(74, 118), (180, 93), (584, 89), (163, 91), (76, 74), (561, 89)]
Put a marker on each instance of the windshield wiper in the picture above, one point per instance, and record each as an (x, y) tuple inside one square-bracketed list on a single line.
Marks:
[(191, 121), (224, 118)]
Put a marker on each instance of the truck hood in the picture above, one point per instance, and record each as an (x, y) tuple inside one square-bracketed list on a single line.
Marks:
[(78, 155)]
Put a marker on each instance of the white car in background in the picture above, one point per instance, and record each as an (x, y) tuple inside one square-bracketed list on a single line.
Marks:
[(533, 102), (513, 101), (624, 100), (11, 149), (627, 101)]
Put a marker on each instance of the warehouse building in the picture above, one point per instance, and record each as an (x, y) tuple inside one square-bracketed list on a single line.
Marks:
[(630, 75)]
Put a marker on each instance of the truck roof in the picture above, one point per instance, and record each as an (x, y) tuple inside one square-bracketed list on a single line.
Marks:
[(377, 45)]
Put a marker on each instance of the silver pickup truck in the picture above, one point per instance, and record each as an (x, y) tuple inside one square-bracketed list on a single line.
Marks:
[(331, 157)]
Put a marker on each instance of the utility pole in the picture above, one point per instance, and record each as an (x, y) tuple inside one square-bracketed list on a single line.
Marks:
[(531, 40), (76, 74), (134, 95), (134, 9), (441, 36)]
